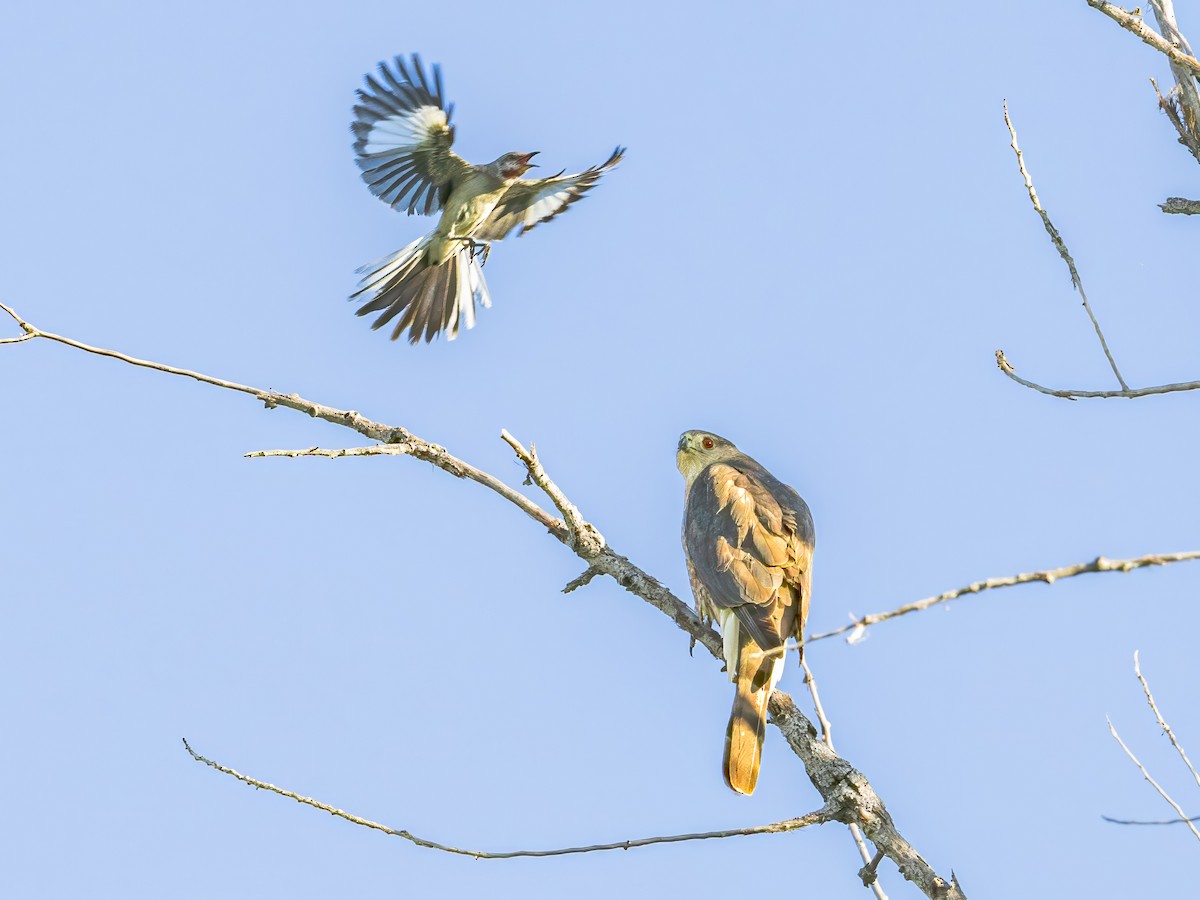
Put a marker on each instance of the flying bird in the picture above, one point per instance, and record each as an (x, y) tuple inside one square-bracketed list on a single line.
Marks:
[(748, 539), (402, 143)]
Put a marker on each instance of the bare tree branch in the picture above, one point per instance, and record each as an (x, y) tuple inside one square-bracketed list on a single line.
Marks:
[(819, 817), (373, 450), (870, 862), (1182, 102), (1047, 576), (581, 580), (849, 797), (1181, 206), (1179, 115), (1135, 25), (1060, 245), (1071, 394), (405, 442), (585, 539), (1153, 783), (1162, 723), (846, 789)]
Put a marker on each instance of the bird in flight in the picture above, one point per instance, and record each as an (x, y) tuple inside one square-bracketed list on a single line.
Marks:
[(748, 539), (402, 144)]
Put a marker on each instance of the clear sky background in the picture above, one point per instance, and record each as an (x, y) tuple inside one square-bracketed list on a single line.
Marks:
[(815, 244)]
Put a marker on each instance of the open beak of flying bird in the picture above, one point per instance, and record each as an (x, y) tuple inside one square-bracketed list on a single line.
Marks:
[(402, 145)]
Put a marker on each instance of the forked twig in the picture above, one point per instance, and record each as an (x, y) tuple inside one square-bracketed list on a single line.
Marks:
[(1158, 787), (1061, 246)]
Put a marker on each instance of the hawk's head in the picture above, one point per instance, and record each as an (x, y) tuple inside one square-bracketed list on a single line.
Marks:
[(698, 449)]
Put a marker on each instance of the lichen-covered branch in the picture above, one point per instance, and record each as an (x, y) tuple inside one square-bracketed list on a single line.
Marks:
[(848, 792), (1180, 206), (848, 796), (870, 861), (858, 627), (818, 817)]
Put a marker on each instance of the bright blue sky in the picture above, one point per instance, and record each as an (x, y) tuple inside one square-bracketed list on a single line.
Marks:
[(816, 243)]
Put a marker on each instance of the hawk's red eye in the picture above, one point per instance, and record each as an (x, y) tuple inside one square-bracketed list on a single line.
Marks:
[(708, 443)]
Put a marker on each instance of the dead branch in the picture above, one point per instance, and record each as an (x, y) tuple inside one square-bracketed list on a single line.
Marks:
[(1162, 723), (1134, 25), (1180, 206), (1047, 576), (1182, 102), (1158, 787), (1149, 821), (1060, 245), (849, 797), (1072, 394), (870, 862), (818, 817)]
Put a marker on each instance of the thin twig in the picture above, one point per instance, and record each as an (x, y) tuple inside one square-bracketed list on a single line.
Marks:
[(386, 434), (868, 872), (818, 817), (1153, 783), (1060, 246), (1135, 25), (1070, 394), (1047, 576), (1162, 723), (1149, 821)]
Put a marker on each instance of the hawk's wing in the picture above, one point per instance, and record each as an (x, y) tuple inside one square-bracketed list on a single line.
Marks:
[(528, 203), (403, 137), (749, 542)]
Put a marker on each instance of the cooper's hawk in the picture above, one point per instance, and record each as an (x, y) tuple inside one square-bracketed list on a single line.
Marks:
[(403, 137), (748, 538)]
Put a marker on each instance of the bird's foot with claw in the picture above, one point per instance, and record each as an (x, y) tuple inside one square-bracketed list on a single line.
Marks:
[(479, 249)]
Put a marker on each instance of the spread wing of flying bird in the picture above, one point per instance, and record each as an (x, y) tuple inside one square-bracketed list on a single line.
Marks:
[(403, 139)]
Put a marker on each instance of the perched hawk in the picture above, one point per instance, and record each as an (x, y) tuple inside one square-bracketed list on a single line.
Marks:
[(748, 538), (403, 137)]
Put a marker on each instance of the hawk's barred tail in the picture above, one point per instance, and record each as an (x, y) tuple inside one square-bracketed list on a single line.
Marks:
[(430, 299), (756, 679)]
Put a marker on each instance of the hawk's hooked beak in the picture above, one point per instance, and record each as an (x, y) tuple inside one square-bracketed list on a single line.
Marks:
[(683, 444)]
